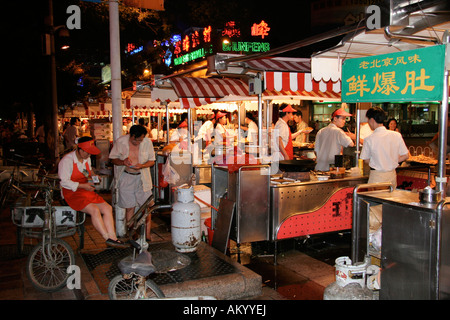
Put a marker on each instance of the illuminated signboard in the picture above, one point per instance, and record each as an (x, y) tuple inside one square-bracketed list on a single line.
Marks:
[(414, 75), (199, 42), (132, 49), (239, 46), (262, 29), (231, 30), (191, 56)]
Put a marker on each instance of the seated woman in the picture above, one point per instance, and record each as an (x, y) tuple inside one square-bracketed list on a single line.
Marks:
[(74, 170)]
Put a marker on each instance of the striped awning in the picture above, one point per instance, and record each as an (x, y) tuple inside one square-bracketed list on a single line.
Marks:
[(194, 92), (299, 85), (280, 64)]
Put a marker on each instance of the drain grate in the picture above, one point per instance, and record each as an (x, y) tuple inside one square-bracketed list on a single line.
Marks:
[(203, 264)]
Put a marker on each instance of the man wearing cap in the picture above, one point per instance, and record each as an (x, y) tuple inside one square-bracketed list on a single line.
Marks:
[(74, 170), (133, 155), (282, 138), (384, 149), (331, 139)]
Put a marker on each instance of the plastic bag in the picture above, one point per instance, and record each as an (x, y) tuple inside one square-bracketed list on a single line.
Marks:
[(171, 176)]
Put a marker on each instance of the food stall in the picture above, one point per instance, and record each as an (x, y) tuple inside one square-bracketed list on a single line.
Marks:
[(414, 258), (271, 207)]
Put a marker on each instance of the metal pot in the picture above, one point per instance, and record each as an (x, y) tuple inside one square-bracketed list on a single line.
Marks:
[(429, 195)]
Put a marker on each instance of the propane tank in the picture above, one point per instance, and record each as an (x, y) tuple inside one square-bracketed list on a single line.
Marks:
[(186, 219), (350, 281)]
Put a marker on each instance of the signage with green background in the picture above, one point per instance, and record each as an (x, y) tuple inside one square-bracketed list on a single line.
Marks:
[(414, 75)]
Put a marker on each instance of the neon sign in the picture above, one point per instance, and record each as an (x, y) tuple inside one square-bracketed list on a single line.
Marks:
[(231, 30), (132, 49), (240, 46), (207, 34), (191, 56), (262, 29)]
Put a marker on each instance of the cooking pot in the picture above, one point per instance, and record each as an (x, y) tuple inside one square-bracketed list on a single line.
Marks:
[(429, 195)]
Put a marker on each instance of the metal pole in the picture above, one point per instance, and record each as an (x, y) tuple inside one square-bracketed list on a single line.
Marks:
[(54, 95), (116, 81), (441, 179), (358, 133), (116, 100), (167, 122)]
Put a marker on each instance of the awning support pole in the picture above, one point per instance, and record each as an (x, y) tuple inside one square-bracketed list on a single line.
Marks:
[(441, 179)]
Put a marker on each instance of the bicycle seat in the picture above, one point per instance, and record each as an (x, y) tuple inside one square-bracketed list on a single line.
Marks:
[(142, 265)]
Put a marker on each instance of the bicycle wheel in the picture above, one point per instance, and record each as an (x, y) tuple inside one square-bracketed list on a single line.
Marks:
[(47, 265), (127, 289)]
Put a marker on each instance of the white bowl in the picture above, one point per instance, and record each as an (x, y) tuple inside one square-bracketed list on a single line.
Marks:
[(322, 178)]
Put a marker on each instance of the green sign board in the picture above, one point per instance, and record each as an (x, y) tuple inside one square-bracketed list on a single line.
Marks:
[(415, 75)]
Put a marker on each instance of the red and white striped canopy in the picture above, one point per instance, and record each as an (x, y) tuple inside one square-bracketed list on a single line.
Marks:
[(194, 92), (299, 84), (280, 64)]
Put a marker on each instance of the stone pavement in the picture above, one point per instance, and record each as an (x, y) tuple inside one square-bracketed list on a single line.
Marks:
[(296, 277)]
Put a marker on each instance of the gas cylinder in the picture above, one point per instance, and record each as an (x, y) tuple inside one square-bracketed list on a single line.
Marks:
[(350, 281), (185, 221)]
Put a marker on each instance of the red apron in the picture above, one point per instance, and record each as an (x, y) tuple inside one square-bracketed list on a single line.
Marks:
[(79, 199), (290, 148)]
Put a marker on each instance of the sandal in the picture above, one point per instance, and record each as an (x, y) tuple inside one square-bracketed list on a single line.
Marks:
[(116, 244)]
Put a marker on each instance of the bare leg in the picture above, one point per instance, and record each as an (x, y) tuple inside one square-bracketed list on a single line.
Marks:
[(102, 219)]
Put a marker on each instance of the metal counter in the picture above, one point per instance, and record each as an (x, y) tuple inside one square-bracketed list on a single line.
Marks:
[(248, 188), (312, 207), (267, 211), (415, 256)]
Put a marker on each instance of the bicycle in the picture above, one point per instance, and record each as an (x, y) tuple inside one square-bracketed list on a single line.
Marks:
[(48, 261), (133, 283), (11, 186)]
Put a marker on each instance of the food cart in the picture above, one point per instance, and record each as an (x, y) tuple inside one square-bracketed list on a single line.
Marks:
[(269, 207), (410, 245)]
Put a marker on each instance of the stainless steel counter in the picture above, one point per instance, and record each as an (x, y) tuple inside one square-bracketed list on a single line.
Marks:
[(415, 243), (312, 207)]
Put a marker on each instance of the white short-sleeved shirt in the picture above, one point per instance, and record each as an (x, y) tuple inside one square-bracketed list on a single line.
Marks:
[(65, 169), (382, 148), (252, 133), (329, 142), (281, 130), (206, 131), (121, 150)]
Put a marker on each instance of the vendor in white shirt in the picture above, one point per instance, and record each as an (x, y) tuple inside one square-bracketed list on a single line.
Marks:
[(282, 148), (331, 140), (383, 149), (220, 132), (252, 129)]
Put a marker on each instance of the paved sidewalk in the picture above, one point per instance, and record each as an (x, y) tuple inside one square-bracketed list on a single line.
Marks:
[(297, 276)]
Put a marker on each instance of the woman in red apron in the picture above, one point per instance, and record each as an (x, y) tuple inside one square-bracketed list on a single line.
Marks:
[(74, 170)]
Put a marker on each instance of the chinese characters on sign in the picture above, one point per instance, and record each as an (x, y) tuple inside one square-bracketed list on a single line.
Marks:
[(231, 30), (262, 29), (201, 42), (402, 76)]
